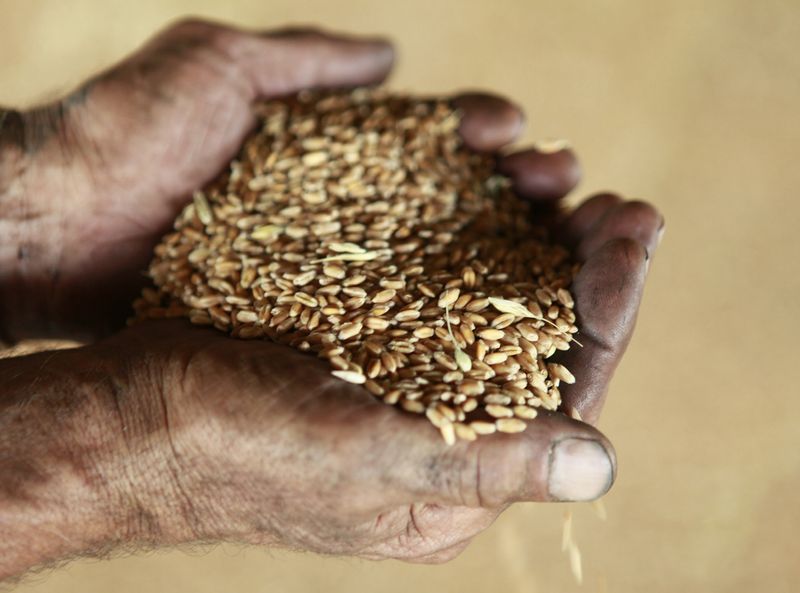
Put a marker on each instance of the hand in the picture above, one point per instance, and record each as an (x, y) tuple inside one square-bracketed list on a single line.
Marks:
[(264, 446), (135, 142), (202, 438), (216, 439), (268, 448)]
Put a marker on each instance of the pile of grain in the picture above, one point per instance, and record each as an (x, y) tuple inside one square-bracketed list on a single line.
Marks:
[(357, 226)]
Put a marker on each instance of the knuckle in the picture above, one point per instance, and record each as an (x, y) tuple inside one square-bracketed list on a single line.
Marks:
[(198, 33), (453, 477), (471, 481), (461, 478), (604, 198), (626, 249), (190, 26), (479, 485), (299, 33), (503, 474), (641, 211), (474, 489)]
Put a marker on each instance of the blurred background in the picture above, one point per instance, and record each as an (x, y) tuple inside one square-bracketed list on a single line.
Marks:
[(692, 105)]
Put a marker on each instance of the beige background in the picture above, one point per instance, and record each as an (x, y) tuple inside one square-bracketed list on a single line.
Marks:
[(693, 105)]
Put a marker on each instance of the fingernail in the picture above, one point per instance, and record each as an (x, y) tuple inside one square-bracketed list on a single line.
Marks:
[(580, 470), (661, 228)]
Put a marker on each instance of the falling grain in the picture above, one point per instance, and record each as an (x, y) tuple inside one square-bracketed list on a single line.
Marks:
[(575, 563), (566, 531), (600, 509)]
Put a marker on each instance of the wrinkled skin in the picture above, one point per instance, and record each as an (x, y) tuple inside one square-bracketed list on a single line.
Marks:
[(255, 442)]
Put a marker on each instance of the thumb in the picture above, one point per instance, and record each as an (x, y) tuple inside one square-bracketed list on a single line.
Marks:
[(555, 459)]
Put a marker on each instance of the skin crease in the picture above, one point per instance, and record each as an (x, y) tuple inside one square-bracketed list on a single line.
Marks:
[(170, 434)]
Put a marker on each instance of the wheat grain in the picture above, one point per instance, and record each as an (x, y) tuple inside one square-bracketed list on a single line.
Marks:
[(510, 425), (498, 411), (340, 231), (350, 376), (575, 562)]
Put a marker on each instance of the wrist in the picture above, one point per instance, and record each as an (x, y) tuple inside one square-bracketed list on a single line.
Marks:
[(153, 470), (53, 504), (84, 467)]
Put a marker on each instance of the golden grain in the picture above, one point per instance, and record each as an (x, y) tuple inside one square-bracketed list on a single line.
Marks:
[(498, 411), (339, 233), (465, 432), (481, 427), (448, 297), (491, 334), (350, 376), (525, 412), (448, 433), (510, 425)]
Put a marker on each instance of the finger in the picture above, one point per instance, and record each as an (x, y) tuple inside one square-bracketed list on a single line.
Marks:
[(542, 173), (635, 220), (555, 459), (579, 222), (607, 293), (488, 122), (293, 60), (282, 62)]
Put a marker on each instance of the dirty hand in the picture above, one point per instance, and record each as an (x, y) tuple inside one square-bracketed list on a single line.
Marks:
[(165, 433)]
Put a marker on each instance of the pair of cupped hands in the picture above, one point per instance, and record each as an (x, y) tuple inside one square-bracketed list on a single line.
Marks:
[(199, 437)]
